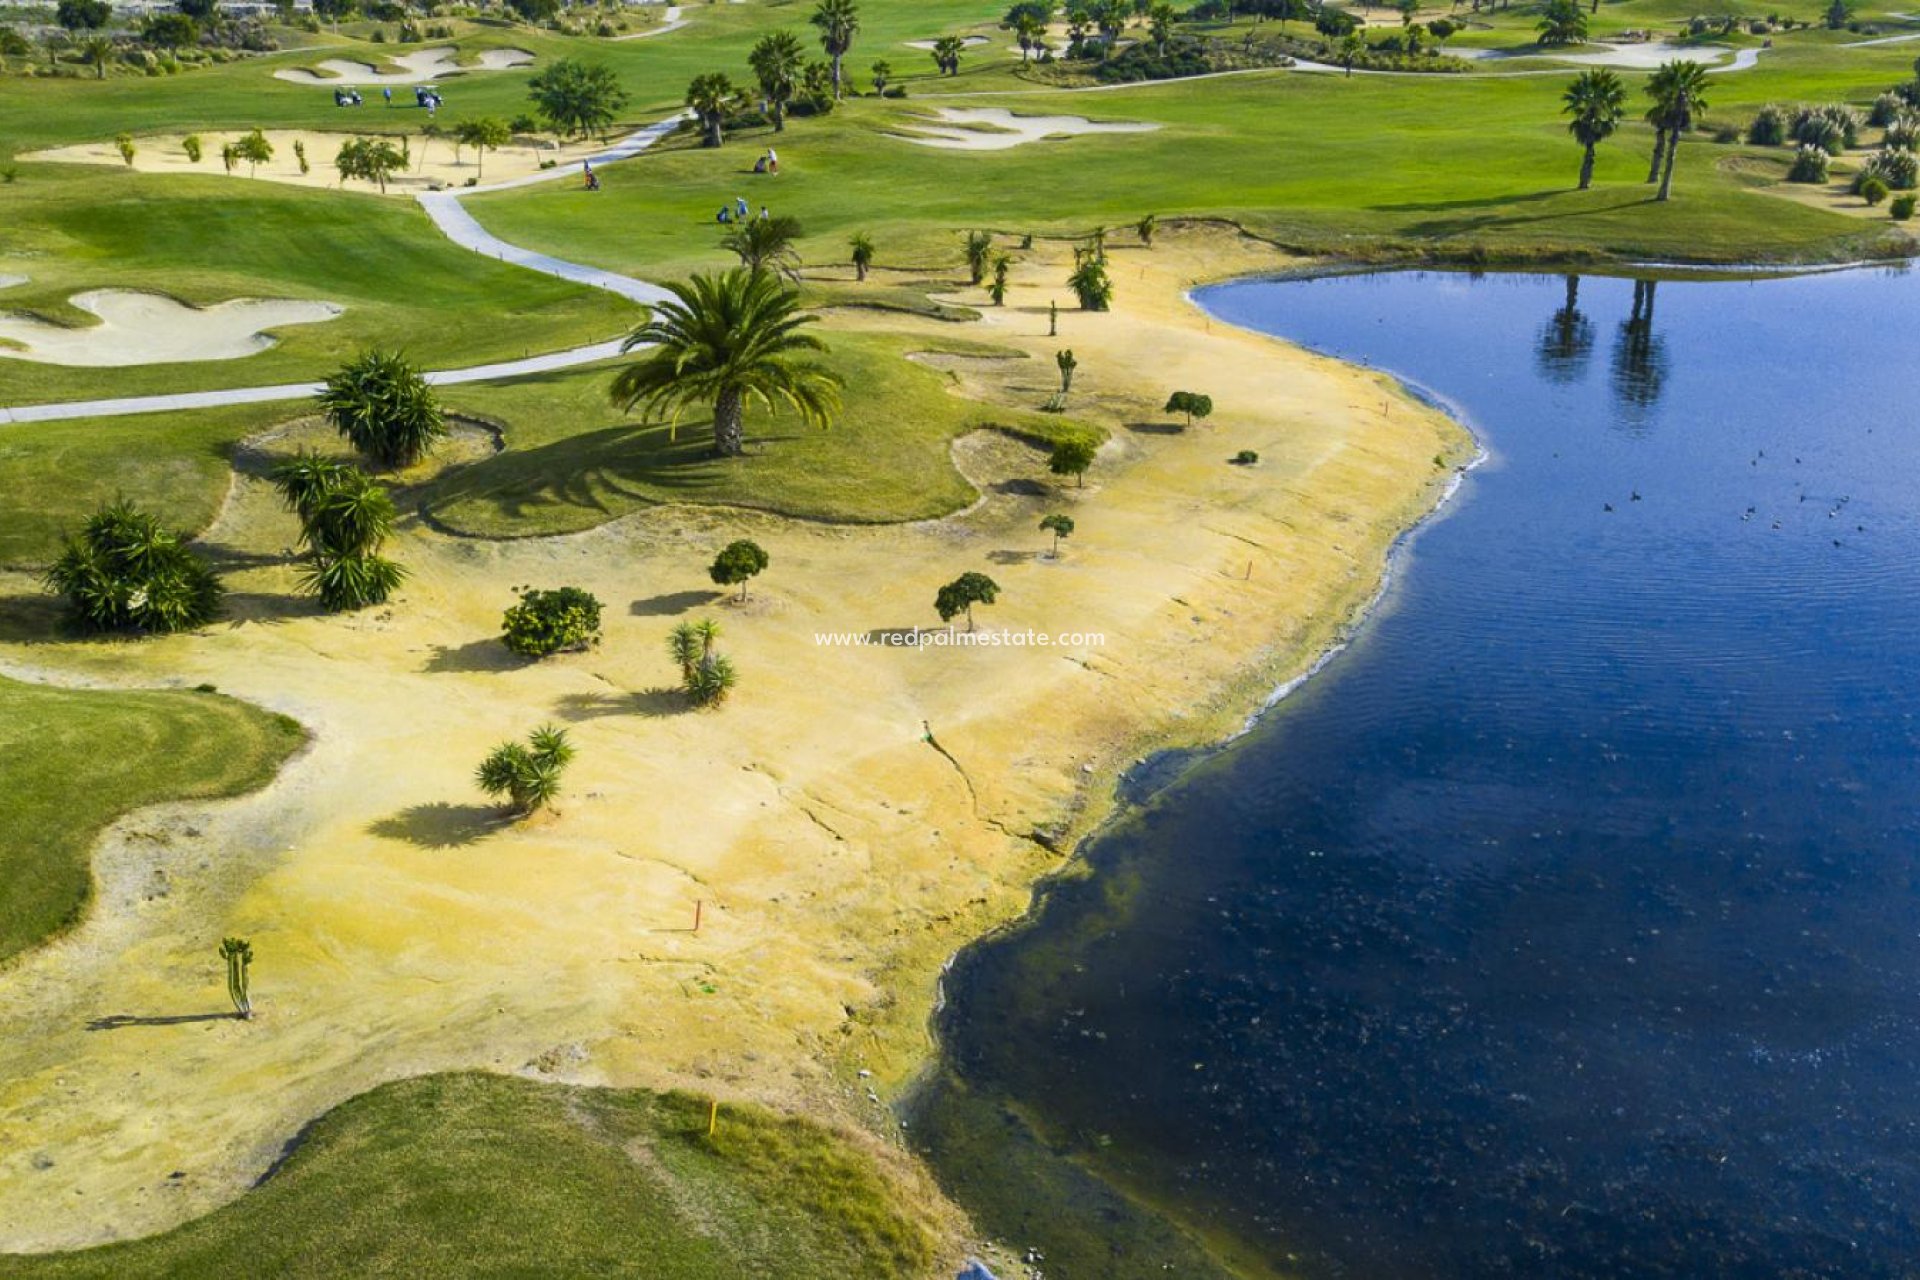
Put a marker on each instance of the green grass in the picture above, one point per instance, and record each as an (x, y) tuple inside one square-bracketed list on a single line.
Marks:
[(71, 761), (205, 239), (473, 1175), (573, 461)]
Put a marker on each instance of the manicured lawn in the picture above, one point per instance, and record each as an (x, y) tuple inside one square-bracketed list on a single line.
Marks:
[(573, 461), (71, 761), (478, 1175)]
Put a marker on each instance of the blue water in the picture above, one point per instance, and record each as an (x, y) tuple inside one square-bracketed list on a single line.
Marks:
[(1569, 923)]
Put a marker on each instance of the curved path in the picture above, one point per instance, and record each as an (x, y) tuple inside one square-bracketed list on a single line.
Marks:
[(458, 226)]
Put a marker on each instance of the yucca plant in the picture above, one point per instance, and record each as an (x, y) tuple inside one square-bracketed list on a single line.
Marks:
[(127, 572), (1091, 285), (527, 775), (384, 408), (979, 252), (713, 679), (862, 246), (345, 583), (238, 953), (345, 518)]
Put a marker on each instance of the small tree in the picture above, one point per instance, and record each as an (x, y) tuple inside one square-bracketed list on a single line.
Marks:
[(300, 157), (345, 518), (229, 157), (767, 244), (576, 97), (126, 572), (777, 60), (124, 145), (1072, 458), (1066, 363), (1873, 190), (1060, 526), (238, 954), (964, 592), (882, 73), (369, 159), (488, 133), (192, 146), (1002, 265), (527, 775), (384, 408), (1090, 283), (98, 51), (1146, 227), (255, 150), (979, 252), (862, 246), (946, 54), (1191, 403), (737, 564), (546, 622)]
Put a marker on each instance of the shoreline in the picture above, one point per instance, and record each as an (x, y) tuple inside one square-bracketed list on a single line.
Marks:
[(833, 912)]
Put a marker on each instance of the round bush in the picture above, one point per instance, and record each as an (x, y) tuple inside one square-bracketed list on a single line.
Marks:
[(1902, 207), (1809, 165), (547, 622), (1873, 190)]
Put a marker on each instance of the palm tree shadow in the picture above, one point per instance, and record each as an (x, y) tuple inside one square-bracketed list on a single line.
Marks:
[(1156, 428), (673, 602), (113, 1022), (1012, 557), (440, 825), (661, 701)]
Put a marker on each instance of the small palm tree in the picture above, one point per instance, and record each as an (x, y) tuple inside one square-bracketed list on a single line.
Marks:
[(1562, 22), (766, 245), (384, 408), (683, 644), (527, 774), (777, 60), (1146, 227), (710, 97), (862, 246), (1002, 266), (1353, 46), (837, 21), (238, 953), (1596, 100), (723, 341), (1091, 284), (979, 252), (97, 51)]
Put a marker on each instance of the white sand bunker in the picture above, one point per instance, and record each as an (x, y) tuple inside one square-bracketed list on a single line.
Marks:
[(997, 129), (967, 42), (416, 68), (150, 328)]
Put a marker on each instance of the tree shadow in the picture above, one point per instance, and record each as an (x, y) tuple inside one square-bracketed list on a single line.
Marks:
[(26, 619), (673, 602), (113, 1022), (661, 701), (1023, 488), (475, 655), (1156, 428), (441, 825), (1012, 557)]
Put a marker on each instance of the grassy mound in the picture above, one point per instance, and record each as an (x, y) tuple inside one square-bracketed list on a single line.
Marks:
[(479, 1175), (71, 761)]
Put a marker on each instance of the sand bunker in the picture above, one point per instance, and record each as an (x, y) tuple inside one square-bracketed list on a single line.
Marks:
[(436, 161), (150, 328), (968, 42), (1645, 56), (997, 129), (426, 64)]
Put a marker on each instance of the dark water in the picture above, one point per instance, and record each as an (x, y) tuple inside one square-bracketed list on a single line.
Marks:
[(1569, 923)]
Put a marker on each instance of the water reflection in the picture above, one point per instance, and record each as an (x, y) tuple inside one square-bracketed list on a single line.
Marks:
[(1566, 343), (1639, 359)]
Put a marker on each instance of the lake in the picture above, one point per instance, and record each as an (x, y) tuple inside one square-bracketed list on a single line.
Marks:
[(1568, 923)]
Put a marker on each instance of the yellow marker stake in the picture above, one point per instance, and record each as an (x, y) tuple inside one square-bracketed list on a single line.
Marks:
[(713, 1115)]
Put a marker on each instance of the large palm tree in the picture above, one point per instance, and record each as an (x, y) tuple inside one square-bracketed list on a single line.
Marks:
[(838, 22), (777, 60), (1685, 97), (1596, 100), (1659, 90), (725, 340)]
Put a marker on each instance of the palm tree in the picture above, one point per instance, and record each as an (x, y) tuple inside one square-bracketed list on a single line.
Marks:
[(838, 22), (97, 50), (777, 61), (709, 97), (1563, 22), (1030, 32), (1684, 93), (725, 340), (1658, 89), (766, 244), (1596, 100), (1352, 46), (862, 246)]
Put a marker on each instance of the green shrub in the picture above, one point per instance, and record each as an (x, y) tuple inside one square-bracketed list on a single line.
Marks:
[(1873, 191), (1886, 109), (527, 775), (1769, 127), (737, 564), (1898, 170), (1244, 458), (1833, 127), (1809, 165), (127, 573), (1902, 135), (1902, 206), (546, 622)]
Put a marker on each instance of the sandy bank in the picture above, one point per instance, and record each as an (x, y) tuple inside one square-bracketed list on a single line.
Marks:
[(849, 820), (997, 129), (436, 162)]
